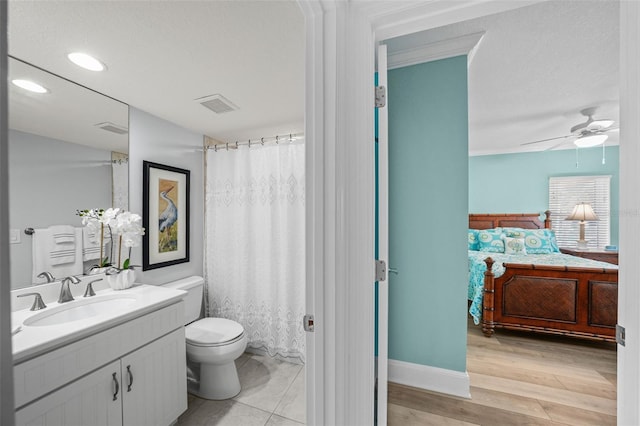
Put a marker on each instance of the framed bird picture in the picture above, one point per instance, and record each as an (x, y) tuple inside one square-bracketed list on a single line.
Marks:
[(165, 215)]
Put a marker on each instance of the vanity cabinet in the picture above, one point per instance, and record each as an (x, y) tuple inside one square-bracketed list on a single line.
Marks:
[(154, 382), (143, 386), (87, 401)]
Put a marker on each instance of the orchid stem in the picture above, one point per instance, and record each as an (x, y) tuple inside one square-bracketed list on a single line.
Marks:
[(119, 250), (101, 243)]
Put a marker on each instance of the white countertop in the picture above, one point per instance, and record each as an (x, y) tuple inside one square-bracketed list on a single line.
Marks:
[(31, 341)]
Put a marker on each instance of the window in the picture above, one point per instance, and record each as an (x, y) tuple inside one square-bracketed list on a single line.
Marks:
[(567, 191)]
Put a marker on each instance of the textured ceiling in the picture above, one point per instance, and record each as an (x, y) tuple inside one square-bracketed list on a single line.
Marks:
[(532, 73), (534, 70), (162, 55)]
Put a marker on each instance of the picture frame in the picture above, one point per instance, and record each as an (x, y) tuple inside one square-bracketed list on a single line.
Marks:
[(165, 215)]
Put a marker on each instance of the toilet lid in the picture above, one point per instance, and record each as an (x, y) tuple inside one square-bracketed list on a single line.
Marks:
[(212, 331)]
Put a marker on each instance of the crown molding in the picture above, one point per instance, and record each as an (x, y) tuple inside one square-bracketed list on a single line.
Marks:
[(463, 45)]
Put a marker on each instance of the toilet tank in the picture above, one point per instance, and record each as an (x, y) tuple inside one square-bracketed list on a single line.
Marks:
[(193, 299)]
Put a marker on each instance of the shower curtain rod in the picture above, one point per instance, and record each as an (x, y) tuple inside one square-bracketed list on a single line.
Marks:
[(290, 137)]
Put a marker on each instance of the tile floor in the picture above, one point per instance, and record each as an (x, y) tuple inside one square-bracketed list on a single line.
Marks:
[(273, 393)]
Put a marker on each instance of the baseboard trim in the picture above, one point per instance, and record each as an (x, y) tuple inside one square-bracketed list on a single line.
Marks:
[(435, 379)]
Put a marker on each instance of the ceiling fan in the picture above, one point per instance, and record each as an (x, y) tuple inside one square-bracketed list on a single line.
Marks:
[(588, 134)]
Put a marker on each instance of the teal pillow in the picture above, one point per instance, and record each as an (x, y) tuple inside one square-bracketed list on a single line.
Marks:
[(551, 234), (490, 240), (473, 239), (536, 241)]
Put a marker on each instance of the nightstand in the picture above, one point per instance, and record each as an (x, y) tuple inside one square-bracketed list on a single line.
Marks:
[(602, 256)]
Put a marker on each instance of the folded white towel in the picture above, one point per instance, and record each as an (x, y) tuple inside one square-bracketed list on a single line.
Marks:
[(47, 256), (91, 244), (63, 256), (63, 244), (63, 234)]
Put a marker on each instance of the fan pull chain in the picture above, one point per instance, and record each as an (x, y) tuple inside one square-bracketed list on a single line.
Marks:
[(577, 163), (604, 161)]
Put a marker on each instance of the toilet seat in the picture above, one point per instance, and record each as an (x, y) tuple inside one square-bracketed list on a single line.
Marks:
[(212, 332)]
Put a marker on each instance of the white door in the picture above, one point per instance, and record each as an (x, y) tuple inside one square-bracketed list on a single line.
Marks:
[(383, 243)]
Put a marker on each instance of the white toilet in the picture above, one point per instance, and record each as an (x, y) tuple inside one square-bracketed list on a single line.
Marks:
[(213, 345)]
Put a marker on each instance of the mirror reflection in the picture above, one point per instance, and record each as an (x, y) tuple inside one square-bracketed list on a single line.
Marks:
[(68, 151)]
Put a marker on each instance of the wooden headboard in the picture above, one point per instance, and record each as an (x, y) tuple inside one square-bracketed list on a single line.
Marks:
[(511, 220)]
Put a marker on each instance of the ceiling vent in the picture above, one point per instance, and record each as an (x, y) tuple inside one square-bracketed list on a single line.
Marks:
[(217, 103), (110, 127)]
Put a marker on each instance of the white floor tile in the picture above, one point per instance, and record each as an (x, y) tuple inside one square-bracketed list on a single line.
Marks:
[(273, 394), (276, 420), (264, 381), (293, 403), (225, 413)]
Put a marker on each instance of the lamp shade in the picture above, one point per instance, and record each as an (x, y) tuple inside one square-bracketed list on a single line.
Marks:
[(582, 212)]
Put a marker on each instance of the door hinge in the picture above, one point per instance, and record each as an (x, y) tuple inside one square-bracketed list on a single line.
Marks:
[(381, 96), (381, 270), (308, 323), (620, 334)]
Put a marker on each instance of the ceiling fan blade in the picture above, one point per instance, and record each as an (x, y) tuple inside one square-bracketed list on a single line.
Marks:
[(546, 140), (551, 148), (597, 131)]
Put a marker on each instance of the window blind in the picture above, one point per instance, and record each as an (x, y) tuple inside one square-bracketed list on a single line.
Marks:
[(567, 191)]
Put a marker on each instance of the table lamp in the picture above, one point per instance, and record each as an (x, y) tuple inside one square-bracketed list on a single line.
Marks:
[(582, 212)]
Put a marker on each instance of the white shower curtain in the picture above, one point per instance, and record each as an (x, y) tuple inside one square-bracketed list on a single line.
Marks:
[(120, 180), (255, 243)]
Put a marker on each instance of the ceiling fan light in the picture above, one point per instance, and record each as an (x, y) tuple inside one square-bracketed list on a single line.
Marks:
[(589, 141), (86, 61), (600, 124)]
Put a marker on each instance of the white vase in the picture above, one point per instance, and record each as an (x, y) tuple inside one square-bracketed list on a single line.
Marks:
[(122, 280)]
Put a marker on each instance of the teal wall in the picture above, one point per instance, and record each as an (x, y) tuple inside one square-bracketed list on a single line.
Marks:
[(519, 183), (428, 199)]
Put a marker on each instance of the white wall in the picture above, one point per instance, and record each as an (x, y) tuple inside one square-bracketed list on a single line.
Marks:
[(154, 139), (49, 180)]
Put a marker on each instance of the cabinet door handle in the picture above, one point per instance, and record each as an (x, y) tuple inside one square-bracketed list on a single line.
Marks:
[(115, 381), (130, 378)]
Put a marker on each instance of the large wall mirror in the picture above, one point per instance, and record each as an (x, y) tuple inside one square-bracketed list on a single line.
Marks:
[(68, 151)]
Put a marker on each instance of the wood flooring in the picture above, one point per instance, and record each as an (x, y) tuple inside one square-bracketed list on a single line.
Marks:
[(520, 379)]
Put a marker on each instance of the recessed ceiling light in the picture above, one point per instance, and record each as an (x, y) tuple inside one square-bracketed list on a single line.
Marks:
[(86, 61), (30, 86)]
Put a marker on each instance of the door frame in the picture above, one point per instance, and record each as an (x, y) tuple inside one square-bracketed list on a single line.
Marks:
[(382, 136), (339, 67)]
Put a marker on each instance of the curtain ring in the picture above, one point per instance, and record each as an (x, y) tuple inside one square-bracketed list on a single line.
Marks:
[(236, 144), (227, 146), (262, 141), (249, 143), (215, 148), (277, 140)]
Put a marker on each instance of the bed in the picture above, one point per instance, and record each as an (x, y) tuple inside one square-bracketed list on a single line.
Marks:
[(544, 293)]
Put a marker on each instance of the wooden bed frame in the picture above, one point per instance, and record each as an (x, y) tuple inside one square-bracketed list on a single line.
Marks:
[(573, 301)]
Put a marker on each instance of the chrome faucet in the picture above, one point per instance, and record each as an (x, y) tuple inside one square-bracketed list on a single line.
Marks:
[(65, 291), (88, 292), (37, 302), (47, 275)]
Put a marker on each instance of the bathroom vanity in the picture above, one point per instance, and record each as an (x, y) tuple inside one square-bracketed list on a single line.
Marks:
[(122, 366)]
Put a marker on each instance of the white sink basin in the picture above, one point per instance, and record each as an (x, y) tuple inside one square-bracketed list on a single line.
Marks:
[(80, 309)]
